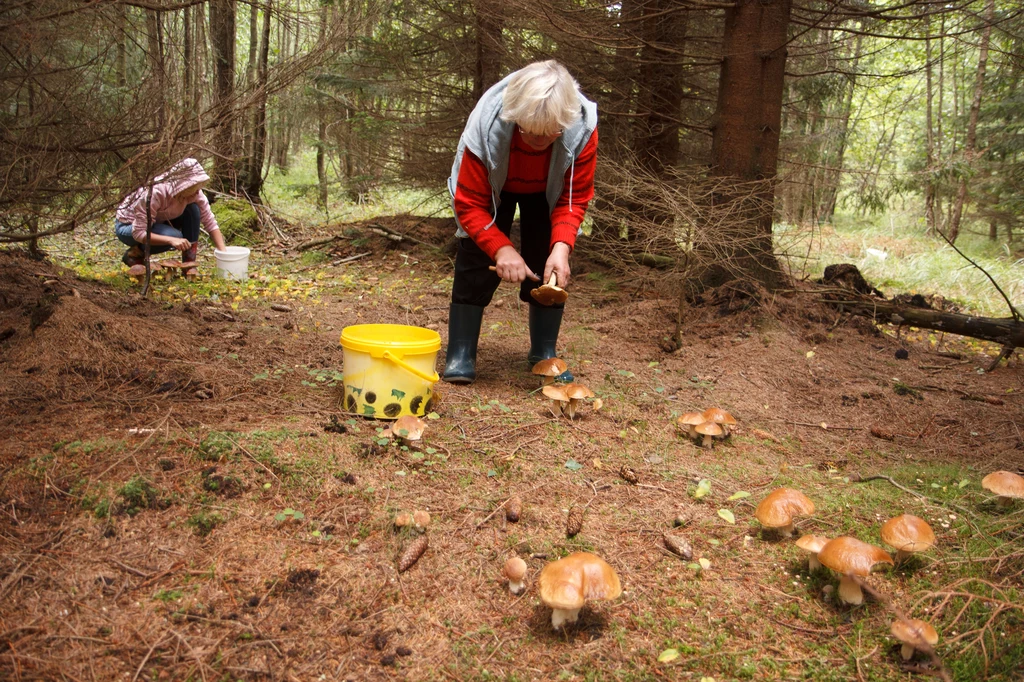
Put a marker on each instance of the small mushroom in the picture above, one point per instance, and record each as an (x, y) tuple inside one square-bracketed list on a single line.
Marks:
[(576, 393), (907, 534), (409, 428), (812, 544), (403, 520), (849, 556), (559, 398), (137, 271), (420, 520), (720, 417), (1006, 484), (515, 571), (689, 421), (914, 634), (567, 584), (549, 369), (781, 507), (709, 430)]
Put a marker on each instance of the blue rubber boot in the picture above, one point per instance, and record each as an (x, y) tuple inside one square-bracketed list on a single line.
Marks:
[(544, 326), (463, 334)]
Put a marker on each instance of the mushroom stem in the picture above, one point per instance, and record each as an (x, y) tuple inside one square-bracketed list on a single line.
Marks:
[(907, 651), (516, 588), (571, 409), (1005, 501), (812, 563), (902, 556), (548, 380), (849, 591), (706, 443), (787, 531), (692, 433), (560, 617)]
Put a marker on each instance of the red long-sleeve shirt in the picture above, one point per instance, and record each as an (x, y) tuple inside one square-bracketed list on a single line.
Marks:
[(527, 174)]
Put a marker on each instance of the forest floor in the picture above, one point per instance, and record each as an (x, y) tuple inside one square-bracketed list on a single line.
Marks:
[(182, 498)]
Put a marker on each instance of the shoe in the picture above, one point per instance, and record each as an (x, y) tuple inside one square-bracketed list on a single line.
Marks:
[(463, 334), (189, 256), (544, 326), (133, 256)]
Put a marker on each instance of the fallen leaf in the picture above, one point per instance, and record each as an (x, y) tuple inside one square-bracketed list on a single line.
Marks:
[(597, 463), (668, 655), (573, 465), (810, 354), (703, 488), (738, 495), (704, 563), (727, 515), (598, 404)]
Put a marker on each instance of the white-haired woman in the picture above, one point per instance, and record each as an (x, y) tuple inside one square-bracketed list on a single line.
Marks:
[(531, 142)]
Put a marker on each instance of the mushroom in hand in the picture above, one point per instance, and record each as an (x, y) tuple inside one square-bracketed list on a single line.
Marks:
[(907, 534), (1006, 484), (781, 507), (914, 634), (515, 571), (566, 585), (812, 544), (849, 556)]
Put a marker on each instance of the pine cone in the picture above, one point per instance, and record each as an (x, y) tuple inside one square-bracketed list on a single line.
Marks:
[(678, 546), (629, 475), (412, 553), (574, 524), (513, 510)]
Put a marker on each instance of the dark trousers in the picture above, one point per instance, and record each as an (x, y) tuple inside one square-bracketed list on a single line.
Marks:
[(186, 225), (474, 283)]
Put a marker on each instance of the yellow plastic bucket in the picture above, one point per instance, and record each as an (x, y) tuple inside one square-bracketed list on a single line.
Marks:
[(389, 369)]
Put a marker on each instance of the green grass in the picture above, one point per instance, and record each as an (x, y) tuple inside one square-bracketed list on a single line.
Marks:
[(914, 263)]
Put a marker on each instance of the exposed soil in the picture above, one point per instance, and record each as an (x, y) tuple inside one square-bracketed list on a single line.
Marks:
[(98, 387)]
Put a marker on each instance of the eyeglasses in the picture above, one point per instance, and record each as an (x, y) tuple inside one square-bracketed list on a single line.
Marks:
[(550, 136)]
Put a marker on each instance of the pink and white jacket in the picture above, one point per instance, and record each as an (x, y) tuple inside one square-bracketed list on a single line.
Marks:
[(165, 205)]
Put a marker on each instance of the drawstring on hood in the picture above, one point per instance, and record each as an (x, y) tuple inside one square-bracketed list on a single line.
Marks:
[(572, 172)]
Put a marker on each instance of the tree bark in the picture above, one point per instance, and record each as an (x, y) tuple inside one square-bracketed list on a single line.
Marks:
[(490, 19), (155, 50), (222, 42), (187, 58), (121, 61), (834, 173), (745, 140), (971, 141), (254, 182), (929, 166), (1003, 330), (657, 139)]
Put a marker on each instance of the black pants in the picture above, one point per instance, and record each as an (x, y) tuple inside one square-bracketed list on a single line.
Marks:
[(186, 225), (474, 283)]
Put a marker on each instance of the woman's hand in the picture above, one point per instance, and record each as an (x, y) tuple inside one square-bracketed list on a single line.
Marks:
[(511, 267), (558, 263), (181, 244)]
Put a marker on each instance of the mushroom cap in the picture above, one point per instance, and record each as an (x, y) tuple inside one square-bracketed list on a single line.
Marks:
[(691, 419), (412, 425), (1004, 484), (719, 416), (515, 569), (812, 543), (914, 632), (421, 518), (137, 270), (850, 555), (709, 429), (403, 520), (549, 294), (782, 504), (578, 392), (556, 392), (551, 367), (908, 533), (569, 582)]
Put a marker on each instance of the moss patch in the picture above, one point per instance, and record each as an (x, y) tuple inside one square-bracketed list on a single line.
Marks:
[(237, 220)]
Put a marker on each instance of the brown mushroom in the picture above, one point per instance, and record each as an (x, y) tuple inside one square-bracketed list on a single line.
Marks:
[(403, 520), (137, 271), (550, 293), (549, 369), (914, 634), (689, 421), (907, 534), (576, 394), (849, 556), (1006, 484), (566, 585), (812, 544), (409, 428), (720, 417), (779, 509), (515, 571), (558, 397), (709, 430), (420, 520)]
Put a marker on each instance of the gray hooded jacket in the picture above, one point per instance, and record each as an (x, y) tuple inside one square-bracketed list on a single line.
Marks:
[(490, 139)]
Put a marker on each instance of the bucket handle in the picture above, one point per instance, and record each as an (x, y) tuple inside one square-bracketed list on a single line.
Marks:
[(432, 378)]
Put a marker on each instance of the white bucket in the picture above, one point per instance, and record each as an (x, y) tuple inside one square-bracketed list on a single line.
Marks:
[(232, 262)]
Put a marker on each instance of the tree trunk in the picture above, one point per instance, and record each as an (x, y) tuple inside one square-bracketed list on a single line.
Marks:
[(1003, 330), (971, 141), (929, 166), (121, 61), (155, 52), (835, 164), (254, 183), (661, 95), (222, 42), (745, 138), (254, 41), (490, 47), (187, 58)]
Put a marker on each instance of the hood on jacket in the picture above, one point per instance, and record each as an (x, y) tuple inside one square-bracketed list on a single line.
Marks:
[(183, 175)]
